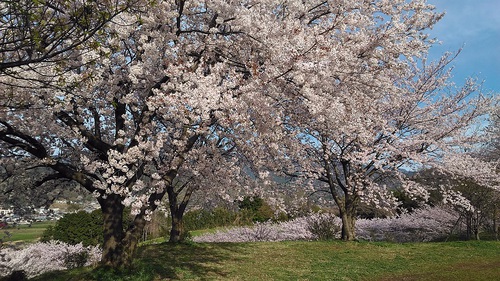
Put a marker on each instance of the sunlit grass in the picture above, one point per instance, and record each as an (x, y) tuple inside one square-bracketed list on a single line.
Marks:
[(24, 232), (329, 260)]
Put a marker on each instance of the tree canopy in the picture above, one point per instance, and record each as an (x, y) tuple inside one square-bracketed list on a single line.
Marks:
[(151, 93)]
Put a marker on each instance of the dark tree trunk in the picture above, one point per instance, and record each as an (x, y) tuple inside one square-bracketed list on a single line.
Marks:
[(131, 239), (468, 224), (119, 246), (112, 248), (177, 209), (495, 225), (177, 231), (344, 195), (347, 208), (348, 226)]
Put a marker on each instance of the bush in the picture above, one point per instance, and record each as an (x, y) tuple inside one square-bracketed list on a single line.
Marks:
[(422, 225), (324, 226), (258, 209), (39, 258), (80, 227), (218, 217), (426, 224), (17, 275), (76, 259), (296, 229)]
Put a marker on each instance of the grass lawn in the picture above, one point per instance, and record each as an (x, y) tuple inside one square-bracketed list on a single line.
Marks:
[(328, 260), (24, 232)]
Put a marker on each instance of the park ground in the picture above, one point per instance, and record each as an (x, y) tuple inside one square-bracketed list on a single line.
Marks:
[(24, 233), (292, 260), (305, 260)]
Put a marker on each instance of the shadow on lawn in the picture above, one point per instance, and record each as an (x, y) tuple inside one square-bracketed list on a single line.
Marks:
[(191, 260), (164, 261)]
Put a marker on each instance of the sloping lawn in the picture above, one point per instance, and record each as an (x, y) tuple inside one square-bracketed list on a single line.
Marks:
[(24, 232), (329, 260)]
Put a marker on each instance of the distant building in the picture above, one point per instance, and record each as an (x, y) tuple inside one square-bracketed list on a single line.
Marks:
[(6, 212)]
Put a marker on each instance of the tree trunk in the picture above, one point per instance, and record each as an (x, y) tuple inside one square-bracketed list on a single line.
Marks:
[(347, 209), (344, 195), (177, 231), (495, 225), (112, 248), (177, 210), (131, 239), (348, 226), (119, 246), (468, 223)]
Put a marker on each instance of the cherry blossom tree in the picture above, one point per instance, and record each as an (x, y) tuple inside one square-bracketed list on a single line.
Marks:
[(213, 173), (335, 90), (361, 102), (474, 203), (36, 33), (492, 153), (157, 93)]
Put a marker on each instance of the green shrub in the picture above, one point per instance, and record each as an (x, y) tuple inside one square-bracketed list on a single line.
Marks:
[(80, 227), (203, 219), (260, 210), (251, 210)]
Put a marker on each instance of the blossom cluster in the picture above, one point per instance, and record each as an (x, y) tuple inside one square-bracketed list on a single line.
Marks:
[(425, 224), (296, 229), (42, 257)]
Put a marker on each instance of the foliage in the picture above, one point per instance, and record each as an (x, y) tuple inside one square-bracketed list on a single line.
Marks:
[(156, 227), (74, 228), (492, 150), (34, 32), (217, 217), (78, 259), (258, 208), (42, 257), (484, 202), (80, 227), (23, 188), (296, 229), (475, 203)]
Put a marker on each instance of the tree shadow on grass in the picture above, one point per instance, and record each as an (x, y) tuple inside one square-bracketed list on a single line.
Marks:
[(189, 260), (166, 261)]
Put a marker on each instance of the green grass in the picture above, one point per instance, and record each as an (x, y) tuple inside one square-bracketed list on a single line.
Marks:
[(331, 260), (199, 232), (24, 233)]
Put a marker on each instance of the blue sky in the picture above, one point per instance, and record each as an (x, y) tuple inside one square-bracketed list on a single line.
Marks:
[(475, 26)]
